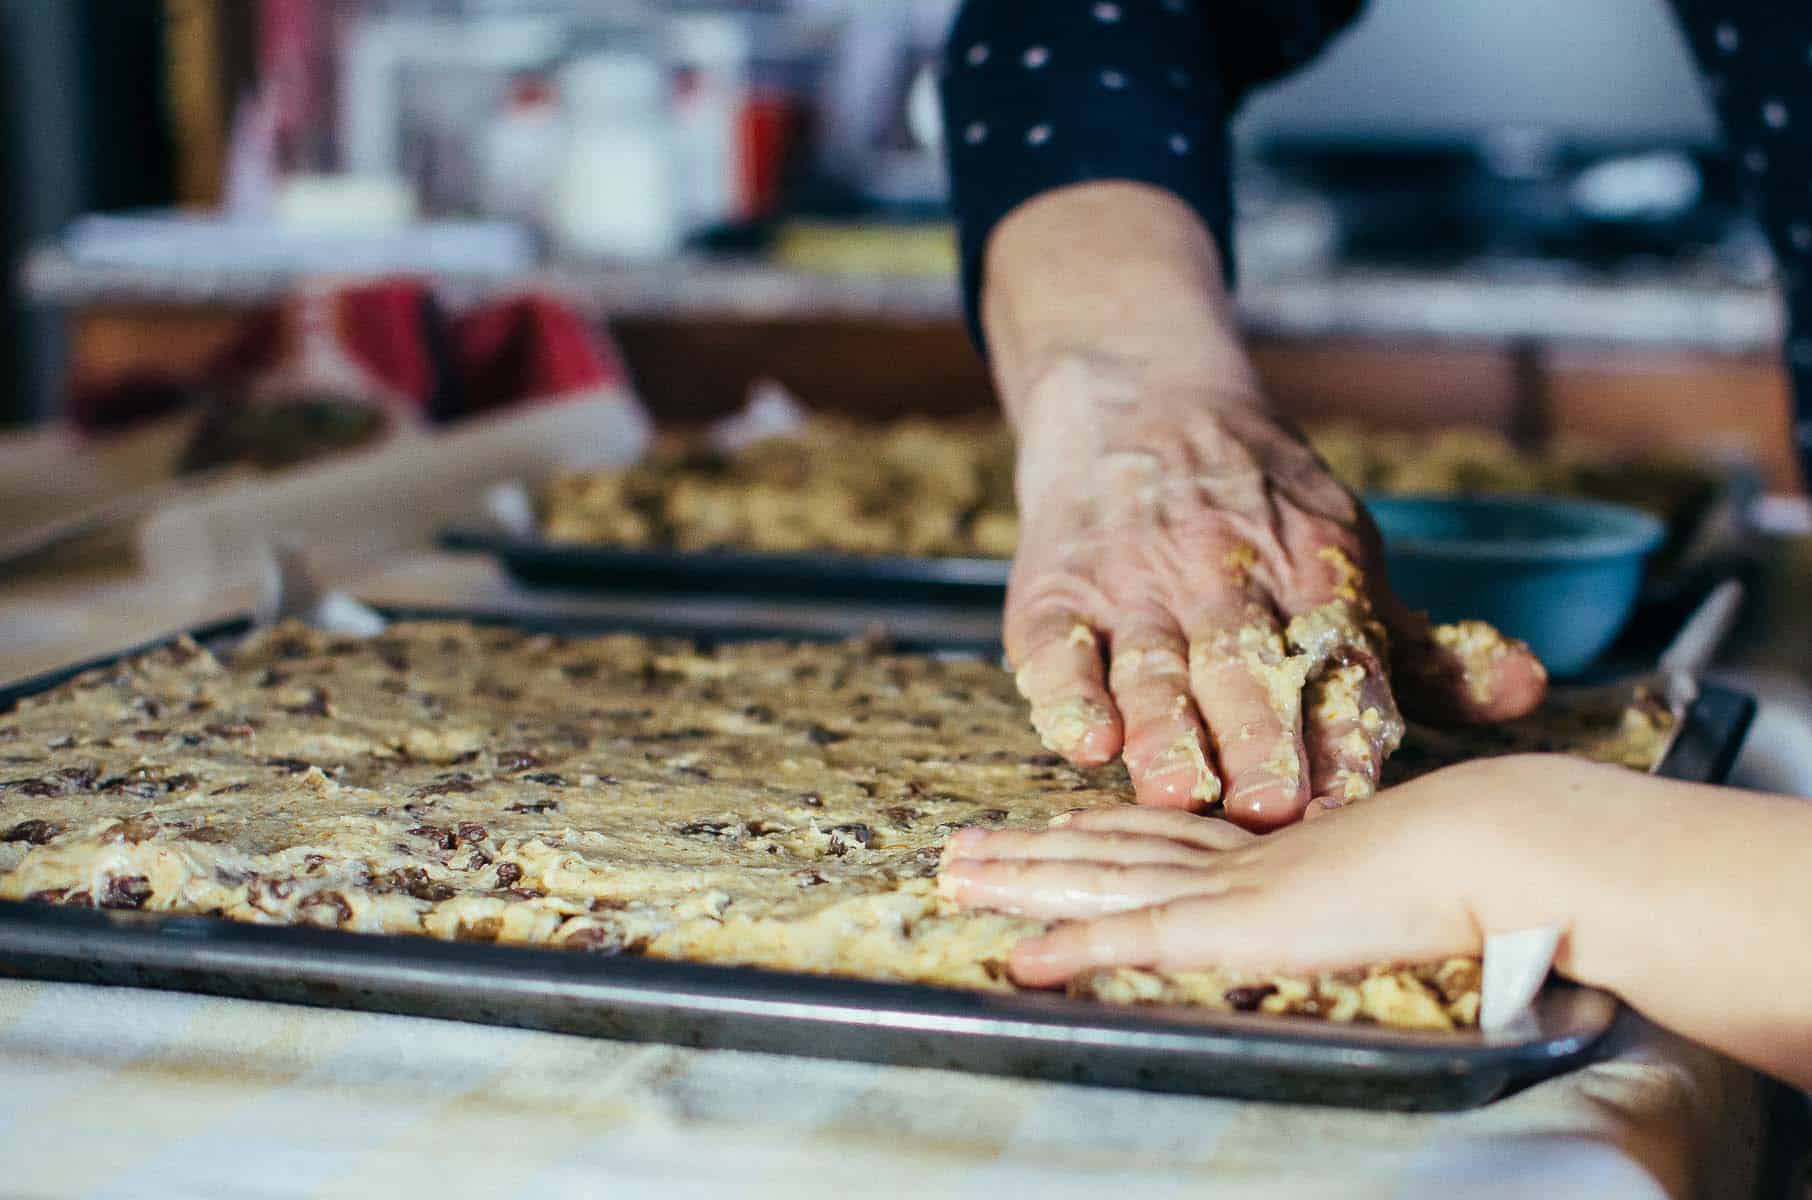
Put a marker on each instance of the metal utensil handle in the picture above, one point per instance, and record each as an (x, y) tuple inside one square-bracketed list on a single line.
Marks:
[(1691, 653)]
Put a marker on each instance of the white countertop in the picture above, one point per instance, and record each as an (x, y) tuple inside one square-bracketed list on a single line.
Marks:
[(123, 1092)]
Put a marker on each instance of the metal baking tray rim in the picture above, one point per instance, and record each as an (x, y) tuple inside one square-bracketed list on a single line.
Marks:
[(590, 567), (1567, 1018)]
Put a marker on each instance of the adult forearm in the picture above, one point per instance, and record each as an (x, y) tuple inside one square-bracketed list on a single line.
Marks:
[(1112, 272)]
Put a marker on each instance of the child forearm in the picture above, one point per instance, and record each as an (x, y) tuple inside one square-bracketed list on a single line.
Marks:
[(1690, 902)]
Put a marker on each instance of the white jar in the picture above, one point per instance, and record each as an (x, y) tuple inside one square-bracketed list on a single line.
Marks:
[(520, 153), (711, 54), (615, 194)]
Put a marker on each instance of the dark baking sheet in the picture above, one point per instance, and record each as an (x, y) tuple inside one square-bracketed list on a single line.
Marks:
[(1040, 1036), (1670, 593), (577, 567)]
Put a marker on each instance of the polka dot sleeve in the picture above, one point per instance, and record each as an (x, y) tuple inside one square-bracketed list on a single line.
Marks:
[(1041, 95), (1756, 58)]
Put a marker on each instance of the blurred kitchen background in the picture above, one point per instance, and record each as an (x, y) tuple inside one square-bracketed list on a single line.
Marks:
[(1512, 215)]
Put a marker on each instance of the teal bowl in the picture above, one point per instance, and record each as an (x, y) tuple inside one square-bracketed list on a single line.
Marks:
[(1561, 574)]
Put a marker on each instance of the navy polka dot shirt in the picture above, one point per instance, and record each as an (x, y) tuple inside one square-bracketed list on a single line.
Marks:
[(1043, 93)]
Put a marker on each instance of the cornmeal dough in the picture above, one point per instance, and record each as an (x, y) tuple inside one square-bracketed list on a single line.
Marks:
[(765, 803)]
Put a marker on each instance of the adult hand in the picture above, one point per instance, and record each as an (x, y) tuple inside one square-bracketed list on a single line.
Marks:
[(1193, 592)]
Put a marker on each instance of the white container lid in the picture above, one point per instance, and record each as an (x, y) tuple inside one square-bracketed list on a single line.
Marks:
[(613, 84)]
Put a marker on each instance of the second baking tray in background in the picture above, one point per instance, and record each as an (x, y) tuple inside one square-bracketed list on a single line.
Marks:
[(574, 566), (1681, 575)]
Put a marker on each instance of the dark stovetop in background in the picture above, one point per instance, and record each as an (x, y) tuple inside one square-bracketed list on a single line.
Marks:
[(1518, 198)]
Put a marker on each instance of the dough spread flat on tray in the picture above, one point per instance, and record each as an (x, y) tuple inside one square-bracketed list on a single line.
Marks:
[(771, 804), (927, 487), (915, 487)]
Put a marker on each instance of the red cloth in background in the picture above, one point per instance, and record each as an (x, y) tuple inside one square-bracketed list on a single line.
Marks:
[(529, 349), (383, 342), (385, 328)]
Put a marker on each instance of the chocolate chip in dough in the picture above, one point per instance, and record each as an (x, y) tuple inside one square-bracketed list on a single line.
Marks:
[(342, 909), (598, 939), (126, 891), (440, 835), (1247, 999), (457, 784), (136, 785), (845, 837), (415, 882), (33, 833), (512, 761), (132, 830)]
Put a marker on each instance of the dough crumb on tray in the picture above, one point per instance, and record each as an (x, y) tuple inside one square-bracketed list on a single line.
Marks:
[(768, 804)]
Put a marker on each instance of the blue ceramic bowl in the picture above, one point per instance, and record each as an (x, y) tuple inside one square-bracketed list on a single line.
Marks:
[(1561, 574)]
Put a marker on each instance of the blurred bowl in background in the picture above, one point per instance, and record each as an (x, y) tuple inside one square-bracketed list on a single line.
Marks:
[(1560, 573)]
